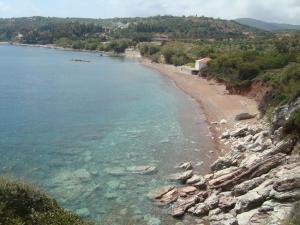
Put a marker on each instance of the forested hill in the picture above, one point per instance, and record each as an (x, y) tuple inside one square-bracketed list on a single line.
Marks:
[(187, 27), (45, 30)]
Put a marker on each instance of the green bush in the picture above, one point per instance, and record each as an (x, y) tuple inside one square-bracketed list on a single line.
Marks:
[(248, 71), (168, 52), (149, 49), (118, 46), (22, 204)]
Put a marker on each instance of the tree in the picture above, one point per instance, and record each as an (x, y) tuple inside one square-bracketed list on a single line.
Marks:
[(248, 71)]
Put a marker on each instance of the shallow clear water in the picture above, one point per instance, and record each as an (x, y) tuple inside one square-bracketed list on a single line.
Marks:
[(67, 125)]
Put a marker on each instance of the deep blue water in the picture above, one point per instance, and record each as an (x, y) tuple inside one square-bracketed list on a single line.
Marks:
[(64, 125)]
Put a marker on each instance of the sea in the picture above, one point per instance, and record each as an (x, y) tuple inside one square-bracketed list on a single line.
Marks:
[(79, 124)]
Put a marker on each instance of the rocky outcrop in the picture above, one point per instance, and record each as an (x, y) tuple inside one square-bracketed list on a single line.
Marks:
[(282, 114), (257, 182)]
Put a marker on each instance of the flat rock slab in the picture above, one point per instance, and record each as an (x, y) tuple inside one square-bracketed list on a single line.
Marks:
[(181, 176), (158, 193), (182, 205), (194, 179), (143, 170)]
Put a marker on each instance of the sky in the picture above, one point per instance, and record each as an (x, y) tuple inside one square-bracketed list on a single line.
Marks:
[(283, 11)]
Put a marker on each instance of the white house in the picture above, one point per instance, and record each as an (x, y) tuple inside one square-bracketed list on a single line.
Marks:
[(200, 63)]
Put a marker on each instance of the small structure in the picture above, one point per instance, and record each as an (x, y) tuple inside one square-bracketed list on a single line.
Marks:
[(200, 63), (160, 38)]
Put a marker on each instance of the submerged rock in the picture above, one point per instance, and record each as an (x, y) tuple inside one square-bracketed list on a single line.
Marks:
[(143, 170), (151, 220), (113, 184), (83, 212), (116, 171)]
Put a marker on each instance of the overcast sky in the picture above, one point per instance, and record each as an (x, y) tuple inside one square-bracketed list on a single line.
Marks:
[(284, 11)]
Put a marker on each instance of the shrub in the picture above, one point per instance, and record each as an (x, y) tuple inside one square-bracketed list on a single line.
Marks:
[(248, 71), (22, 204), (168, 52), (118, 46)]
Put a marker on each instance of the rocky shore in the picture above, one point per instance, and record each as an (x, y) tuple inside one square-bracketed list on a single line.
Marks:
[(256, 182)]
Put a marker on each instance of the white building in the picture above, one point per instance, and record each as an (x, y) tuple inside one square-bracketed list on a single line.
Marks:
[(200, 63)]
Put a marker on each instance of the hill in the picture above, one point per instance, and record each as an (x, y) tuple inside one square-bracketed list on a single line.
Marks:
[(267, 25), (47, 30)]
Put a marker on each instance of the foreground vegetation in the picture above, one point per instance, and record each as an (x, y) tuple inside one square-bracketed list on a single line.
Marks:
[(22, 204)]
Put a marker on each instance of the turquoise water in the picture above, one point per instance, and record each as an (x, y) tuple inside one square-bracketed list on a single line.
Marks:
[(66, 126)]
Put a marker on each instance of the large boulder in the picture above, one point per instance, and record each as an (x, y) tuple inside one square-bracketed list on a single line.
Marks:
[(253, 198), (244, 116)]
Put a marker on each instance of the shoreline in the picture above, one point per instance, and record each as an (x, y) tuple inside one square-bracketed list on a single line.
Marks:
[(212, 99), (53, 46)]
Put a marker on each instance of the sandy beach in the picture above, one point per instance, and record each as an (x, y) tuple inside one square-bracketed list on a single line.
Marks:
[(212, 97)]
